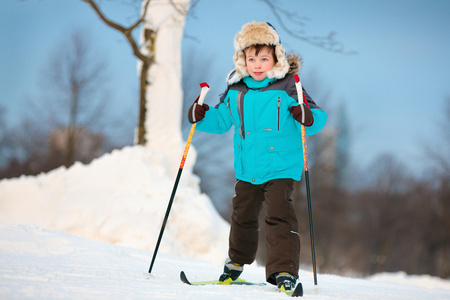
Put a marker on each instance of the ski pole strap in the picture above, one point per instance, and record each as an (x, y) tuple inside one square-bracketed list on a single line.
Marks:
[(194, 106)]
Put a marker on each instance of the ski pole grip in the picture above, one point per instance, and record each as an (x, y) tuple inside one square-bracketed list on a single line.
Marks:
[(205, 89), (298, 85)]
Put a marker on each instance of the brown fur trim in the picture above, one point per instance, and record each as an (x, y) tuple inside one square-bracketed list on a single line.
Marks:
[(295, 63)]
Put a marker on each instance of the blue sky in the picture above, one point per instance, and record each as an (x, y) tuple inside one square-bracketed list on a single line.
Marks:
[(394, 89)]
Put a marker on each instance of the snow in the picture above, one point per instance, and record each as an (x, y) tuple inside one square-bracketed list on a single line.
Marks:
[(37, 263), (88, 233), (120, 198)]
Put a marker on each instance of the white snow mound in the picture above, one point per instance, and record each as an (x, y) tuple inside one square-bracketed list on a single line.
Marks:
[(120, 198)]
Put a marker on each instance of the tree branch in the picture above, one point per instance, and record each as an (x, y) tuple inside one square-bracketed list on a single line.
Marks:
[(327, 43), (180, 9), (125, 31), (142, 18)]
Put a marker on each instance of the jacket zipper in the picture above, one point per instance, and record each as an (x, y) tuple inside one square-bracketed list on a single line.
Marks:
[(240, 114), (278, 113)]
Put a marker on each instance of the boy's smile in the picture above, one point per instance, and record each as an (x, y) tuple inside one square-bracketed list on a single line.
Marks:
[(258, 65)]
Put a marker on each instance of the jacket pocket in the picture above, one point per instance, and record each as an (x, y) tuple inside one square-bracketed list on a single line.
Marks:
[(238, 164), (285, 155)]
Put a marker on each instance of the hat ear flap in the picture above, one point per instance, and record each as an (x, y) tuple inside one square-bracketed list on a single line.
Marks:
[(239, 66), (281, 68), (279, 52), (239, 63)]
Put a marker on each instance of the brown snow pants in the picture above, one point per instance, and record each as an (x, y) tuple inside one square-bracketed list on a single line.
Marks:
[(282, 238)]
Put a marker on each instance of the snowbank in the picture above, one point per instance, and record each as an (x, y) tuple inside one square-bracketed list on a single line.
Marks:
[(120, 198)]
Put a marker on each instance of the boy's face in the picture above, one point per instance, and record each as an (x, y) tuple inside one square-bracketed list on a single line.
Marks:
[(259, 64)]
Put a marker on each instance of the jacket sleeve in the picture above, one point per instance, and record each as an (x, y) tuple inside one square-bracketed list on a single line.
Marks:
[(319, 116), (217, 119)]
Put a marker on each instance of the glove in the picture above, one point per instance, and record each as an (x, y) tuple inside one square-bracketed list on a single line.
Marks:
[(197, 112), (304, 116)]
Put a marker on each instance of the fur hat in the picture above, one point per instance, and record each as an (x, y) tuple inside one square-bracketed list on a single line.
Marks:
[(257, 33)]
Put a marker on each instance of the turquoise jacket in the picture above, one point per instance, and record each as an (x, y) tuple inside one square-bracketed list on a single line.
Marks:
[(267, 138)]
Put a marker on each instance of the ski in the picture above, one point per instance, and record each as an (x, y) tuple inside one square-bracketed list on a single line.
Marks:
[(238, 281), (297, 292)]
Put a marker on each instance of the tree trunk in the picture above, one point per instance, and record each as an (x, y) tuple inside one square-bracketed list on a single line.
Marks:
[(162, 33), (141, 132)]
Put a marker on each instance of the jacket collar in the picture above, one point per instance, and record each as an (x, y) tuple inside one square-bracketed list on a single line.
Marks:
[(255, 84)]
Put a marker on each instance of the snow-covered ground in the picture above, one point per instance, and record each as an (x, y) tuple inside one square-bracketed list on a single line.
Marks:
[(41, 264), (88, 233)]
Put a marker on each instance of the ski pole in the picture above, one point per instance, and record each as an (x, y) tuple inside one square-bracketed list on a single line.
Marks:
[(298, 85), (205, 89)]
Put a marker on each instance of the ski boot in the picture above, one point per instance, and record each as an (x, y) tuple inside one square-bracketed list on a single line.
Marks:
[(231, 271), (286, 282)]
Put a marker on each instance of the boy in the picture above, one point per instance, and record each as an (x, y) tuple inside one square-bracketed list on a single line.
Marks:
[(261, 103)]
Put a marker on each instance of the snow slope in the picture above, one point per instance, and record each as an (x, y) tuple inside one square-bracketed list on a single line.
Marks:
[(41, 264)]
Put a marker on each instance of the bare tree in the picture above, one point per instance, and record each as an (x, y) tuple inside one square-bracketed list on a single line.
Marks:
[(27, 150), (145, 59), (438, 205), (74, 95), (66, 120), (4, 138), (437, 151)]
